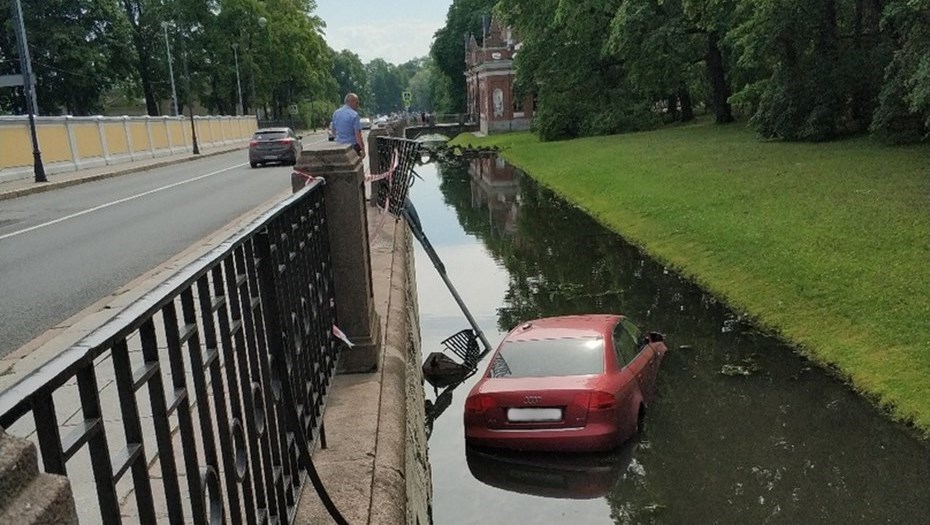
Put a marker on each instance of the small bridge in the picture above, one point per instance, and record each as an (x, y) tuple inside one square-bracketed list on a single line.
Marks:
[(449, 125)]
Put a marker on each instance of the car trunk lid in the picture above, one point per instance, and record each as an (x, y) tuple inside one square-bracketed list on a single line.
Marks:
[(537, 403)]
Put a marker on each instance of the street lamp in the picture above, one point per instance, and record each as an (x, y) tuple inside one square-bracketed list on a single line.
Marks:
[(262, 22), (28, 88), (190, 97), (174, 93), (239, 108)]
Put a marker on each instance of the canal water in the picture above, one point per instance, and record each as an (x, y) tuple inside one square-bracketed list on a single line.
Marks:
[(743, 429)]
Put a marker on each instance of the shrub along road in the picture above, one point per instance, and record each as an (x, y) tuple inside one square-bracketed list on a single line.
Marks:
[(826, 244)]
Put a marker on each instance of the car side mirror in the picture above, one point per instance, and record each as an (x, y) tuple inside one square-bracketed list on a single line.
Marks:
[(300, 136), (655, 337)]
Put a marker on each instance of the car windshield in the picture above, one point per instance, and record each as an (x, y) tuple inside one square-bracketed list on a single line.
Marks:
[(549, 357), (270, 135)]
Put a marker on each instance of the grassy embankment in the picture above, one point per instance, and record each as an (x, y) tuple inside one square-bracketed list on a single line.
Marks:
[(826, 244)]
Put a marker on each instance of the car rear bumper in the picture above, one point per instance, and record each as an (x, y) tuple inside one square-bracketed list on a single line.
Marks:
[(263, 156), (591, 438)]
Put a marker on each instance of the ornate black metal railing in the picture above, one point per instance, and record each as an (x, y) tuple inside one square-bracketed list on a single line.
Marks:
[(187, 389), (399, 156)]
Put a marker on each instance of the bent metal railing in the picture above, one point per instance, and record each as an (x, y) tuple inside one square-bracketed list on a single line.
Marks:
[(184, 389)]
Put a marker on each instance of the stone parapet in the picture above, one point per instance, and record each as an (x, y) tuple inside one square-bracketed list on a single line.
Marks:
[(342, 170)]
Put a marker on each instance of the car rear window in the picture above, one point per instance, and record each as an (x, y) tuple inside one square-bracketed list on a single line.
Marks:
[(549, 357), (270, 135)]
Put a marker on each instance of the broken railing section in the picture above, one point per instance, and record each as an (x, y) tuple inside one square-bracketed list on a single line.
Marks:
[(396, 161), (178, 404)]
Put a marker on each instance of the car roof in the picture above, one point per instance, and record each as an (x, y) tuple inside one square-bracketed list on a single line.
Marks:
[(567, 326), (275, 130)]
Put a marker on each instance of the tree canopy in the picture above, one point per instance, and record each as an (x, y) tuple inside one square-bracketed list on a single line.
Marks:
[(105, 56), (797, 69)]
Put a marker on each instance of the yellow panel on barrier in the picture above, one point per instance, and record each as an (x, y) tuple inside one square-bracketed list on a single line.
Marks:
[(17, 146), (215, 130), (140, 136), (87, 138), (53, 142), (159, 134), (178, 137), (116, 137), (203, 132)]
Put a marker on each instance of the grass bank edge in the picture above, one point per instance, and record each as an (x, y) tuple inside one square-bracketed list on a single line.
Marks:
[(831, 336)]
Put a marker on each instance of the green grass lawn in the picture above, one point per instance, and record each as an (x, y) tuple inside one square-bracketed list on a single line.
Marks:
[(826, 244)]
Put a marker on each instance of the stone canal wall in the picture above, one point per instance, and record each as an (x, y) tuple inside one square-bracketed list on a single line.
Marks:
[(419, 479)]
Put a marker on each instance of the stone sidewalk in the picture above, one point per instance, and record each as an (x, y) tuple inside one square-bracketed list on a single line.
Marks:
[(365, 468)]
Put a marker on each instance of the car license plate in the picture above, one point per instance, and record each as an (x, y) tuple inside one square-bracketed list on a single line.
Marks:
[(270, 157), (534, 414)]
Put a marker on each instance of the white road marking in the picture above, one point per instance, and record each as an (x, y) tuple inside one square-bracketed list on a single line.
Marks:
[(114, 203)]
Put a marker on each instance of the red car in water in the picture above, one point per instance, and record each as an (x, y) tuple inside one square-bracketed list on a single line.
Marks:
[(572, 383)]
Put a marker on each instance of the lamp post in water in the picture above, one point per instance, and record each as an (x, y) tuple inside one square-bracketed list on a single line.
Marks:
[(29, 89)]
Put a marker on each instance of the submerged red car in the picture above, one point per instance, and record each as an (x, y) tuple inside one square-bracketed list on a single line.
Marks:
[(572, 383)]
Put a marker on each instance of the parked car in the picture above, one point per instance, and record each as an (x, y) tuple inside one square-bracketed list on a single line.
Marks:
[(366, 122), (274, 145), (572, 383)]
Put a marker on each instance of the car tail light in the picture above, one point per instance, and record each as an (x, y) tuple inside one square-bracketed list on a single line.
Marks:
[(601, 401), (253, 143), (479, 404), (286, 141)]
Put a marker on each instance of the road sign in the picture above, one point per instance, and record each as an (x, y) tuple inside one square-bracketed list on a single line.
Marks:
[(292, 109), (407, 96), (11, 80)]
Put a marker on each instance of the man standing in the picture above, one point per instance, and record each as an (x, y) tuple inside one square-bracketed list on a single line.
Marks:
[(347, 126)]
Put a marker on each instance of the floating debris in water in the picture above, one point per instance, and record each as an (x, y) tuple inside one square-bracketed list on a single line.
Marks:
[(734, 370), (748, 367)]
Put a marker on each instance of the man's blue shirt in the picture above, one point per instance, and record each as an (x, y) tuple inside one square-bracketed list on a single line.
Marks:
[(345, 123)]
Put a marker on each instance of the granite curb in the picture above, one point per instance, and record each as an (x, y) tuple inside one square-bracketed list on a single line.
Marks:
[(389, 487)]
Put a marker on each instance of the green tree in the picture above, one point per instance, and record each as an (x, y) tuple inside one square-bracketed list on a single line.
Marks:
[(144, 18), (819, 66), (903, 112), (420, 86), (661, 55), (77, 49), (448, 52), (351, 75), (580, 89), (386, 86)]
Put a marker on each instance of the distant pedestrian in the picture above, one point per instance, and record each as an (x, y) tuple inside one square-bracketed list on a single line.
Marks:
[(347, 125)]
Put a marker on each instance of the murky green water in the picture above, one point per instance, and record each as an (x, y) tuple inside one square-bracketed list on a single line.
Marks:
[(743, 430)]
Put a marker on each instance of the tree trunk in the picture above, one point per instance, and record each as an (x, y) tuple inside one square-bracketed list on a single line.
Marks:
[(859, 93), (671, 106), (145, 59), (687, 109), (720, 88)]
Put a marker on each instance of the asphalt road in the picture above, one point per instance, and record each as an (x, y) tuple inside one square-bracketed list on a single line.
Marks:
[(62, 250)]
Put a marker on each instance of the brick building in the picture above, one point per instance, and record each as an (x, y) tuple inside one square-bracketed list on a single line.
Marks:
[(489, 75)]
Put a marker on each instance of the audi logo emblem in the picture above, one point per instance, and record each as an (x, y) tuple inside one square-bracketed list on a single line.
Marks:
[(532, 400)]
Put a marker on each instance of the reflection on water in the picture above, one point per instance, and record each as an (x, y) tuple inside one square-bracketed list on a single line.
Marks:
[(551, 475), (743, 430)]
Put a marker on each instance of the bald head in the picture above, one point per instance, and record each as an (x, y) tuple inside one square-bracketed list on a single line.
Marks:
[(351, 100)]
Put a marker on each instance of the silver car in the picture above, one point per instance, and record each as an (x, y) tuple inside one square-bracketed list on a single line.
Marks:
[(274, 145)]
